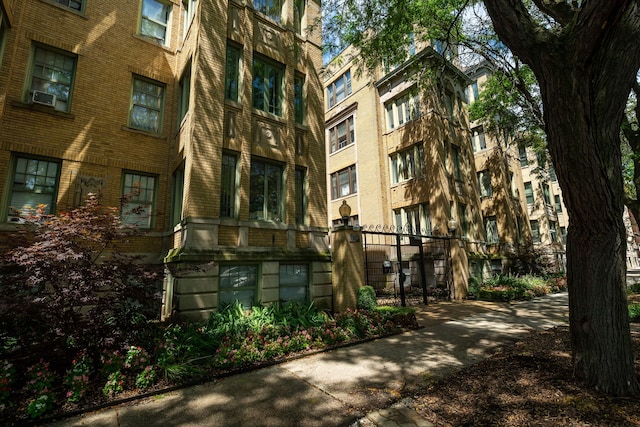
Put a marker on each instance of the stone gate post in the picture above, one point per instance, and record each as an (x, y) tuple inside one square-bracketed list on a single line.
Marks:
[(348, 267)]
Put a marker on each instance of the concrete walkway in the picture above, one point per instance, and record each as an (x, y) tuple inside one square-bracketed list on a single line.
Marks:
[(348, 386)]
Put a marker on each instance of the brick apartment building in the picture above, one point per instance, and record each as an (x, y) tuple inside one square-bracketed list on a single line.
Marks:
[(399, 153), (207, 113)]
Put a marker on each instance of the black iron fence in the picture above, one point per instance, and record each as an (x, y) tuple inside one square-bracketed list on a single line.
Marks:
[(406, 268)]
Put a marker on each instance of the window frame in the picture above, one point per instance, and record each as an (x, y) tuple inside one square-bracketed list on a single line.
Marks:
[(184, 92), (523, 157), (491, 230), (414, 217), (484, 183), (456, 162), (13, 213), (301, 195), (346, 88), (253, 277), (337, 184), (299, 107), (189, 8), (350, 134), (535, 231), (268, 8), (177, 195), (402, 110), (33, 64), (135, 203), (232, 74), (304, 284), (553, 231), (67, 4), (265, 102), (478, 140), (267, 211), (133, 104), (529, 193), (165, 40), (229, 180), (558, 202), (407, 164)]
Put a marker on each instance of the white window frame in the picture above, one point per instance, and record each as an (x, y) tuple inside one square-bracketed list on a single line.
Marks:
[(165, 39), (189, 8), (484, 183), (479, 142), (339, 89), (491, 230), (407, 164), (70, 4), (402, 110)]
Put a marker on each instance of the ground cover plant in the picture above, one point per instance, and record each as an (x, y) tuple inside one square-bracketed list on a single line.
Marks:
[(515, 288)]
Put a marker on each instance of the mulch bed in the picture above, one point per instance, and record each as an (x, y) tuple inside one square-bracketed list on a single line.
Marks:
[(531, 383)]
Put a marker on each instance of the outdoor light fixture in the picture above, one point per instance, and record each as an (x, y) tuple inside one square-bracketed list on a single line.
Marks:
[(452, 226), (345, 212)]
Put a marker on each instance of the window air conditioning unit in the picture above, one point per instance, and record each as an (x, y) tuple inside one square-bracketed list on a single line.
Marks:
[(43, 98)]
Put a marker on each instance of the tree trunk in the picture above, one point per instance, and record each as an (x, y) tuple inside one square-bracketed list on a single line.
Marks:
[(585, 73)]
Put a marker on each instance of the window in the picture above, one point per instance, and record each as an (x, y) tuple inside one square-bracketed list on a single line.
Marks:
[(35, 183), (528, 192), (228, 185), (491, 229), (477, 139), (463, 220), (448, 103), (266, 190), (138, 193), (563, 232), (339, 89), (301, 199), (522, 153), (238, 283), (344, 183), (298, 14), (456, 163), (294, 283), (185, 93), (552, 174), (147, 101), (52, 73), (3, 34), (546, 194), (267, 86), (407, 164), (270, 8), (413, 219), (558, 203), (176, 197), (484, 180), (298, 98), (342, 134), (476, 92), (553, 230), (72, 4), (154, 20), (535, 230), (402, 110), (232, 73), (189, 11)]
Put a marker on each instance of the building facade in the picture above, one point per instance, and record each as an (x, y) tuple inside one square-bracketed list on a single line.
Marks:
[(205, 117), (399, 152)]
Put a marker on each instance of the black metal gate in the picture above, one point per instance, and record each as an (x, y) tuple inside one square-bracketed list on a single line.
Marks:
[(407, 268)]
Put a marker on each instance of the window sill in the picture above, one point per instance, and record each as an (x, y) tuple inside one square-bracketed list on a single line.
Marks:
[(152, 41), (143, 132), (269, 116), (42, 109)]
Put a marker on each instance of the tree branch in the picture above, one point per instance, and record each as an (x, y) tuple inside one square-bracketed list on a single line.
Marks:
[(561, 12)]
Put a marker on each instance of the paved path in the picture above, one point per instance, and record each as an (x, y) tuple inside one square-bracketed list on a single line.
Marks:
[(348, 386)]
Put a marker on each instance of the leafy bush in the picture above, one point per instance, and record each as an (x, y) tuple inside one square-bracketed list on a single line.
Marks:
[(510, 288), (67, 287), (366, 298), (634, 313)]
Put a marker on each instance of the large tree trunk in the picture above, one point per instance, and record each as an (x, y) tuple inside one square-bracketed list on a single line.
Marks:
[(586, 68)]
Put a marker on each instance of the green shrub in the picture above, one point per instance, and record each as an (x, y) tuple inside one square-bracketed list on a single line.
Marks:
[(634, 313), (366, 299), (634, 288)]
